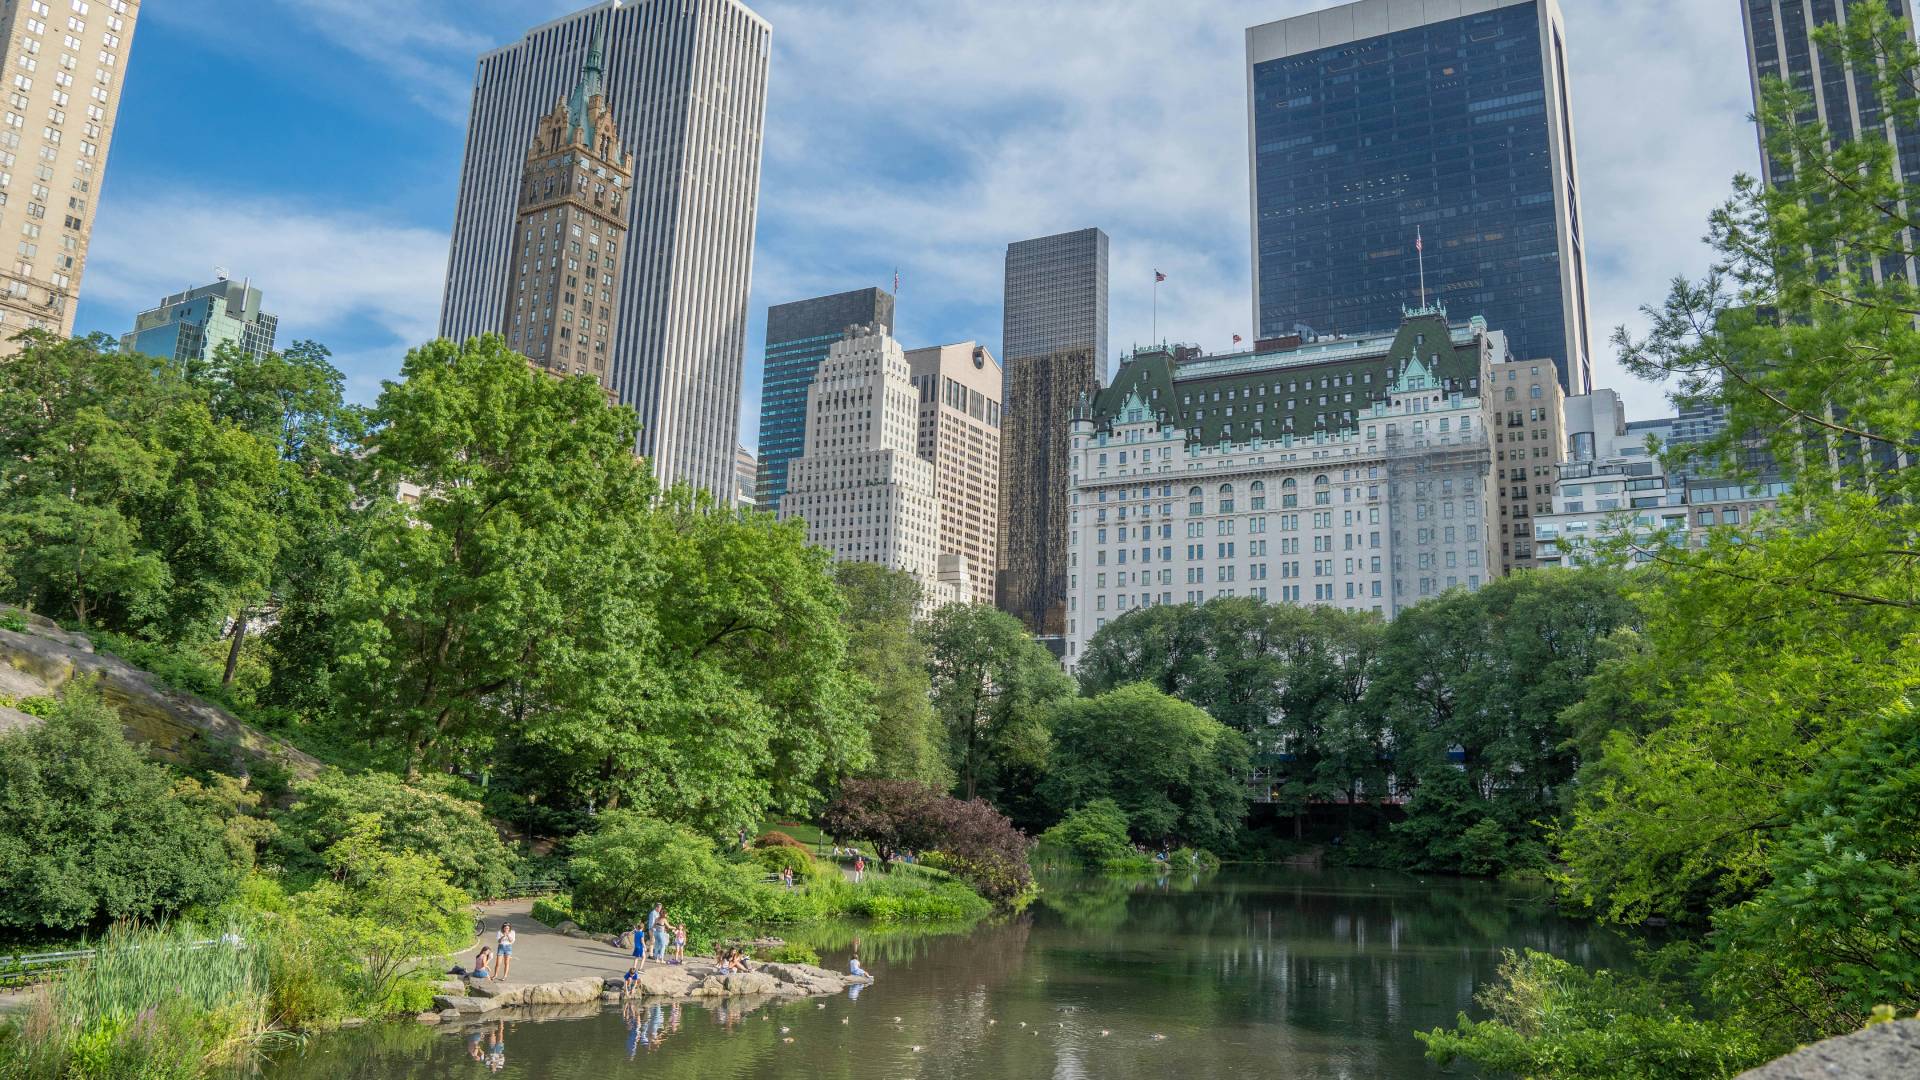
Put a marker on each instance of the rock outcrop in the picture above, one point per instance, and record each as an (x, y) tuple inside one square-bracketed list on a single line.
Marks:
[(173, 725), (1881, 1052)]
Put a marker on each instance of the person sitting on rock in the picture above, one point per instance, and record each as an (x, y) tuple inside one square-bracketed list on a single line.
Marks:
[(482, 965), (854, 969)]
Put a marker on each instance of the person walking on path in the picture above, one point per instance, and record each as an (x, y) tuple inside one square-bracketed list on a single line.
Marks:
[(503, 948), (859, 869)]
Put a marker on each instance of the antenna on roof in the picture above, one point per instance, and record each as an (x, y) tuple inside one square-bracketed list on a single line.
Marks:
[(219, 273)]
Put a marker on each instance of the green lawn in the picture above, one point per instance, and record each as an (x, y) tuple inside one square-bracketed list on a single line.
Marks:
[(805, 833)]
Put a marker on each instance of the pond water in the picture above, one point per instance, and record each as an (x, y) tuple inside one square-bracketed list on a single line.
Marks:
[(1247, 973)]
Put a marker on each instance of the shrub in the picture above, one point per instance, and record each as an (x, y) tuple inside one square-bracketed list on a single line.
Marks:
[(631, 862), (15, 621), (978, 842), (775, 838), (1095, 834), (775, 859), (792, 954), (553, 910), (92, 832), (422, 818)]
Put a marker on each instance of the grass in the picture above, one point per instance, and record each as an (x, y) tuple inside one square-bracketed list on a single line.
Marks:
[(809, 835)]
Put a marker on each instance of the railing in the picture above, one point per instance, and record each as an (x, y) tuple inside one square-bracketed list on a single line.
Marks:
[(25, 968), (522, 889)]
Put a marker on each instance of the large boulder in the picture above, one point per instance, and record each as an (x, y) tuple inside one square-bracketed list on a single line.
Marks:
[(1881, 1052), (571, 992), (466, 1006), (749, 983), (174, 726)]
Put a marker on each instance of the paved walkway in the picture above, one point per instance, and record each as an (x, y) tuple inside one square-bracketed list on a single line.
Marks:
[(542, 954)]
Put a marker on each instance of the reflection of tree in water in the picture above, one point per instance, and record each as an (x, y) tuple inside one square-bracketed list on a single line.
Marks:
[(1306, 974)]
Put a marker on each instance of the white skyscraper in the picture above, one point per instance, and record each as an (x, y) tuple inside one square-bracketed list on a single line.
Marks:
[(688, 81)]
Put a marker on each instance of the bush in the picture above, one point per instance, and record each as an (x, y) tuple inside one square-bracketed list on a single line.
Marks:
[(775, 859), (631, 862), (91, 832), (1094, 834), (553, 910), (978, 843), (775, 838), (422, 818), (792, 954)]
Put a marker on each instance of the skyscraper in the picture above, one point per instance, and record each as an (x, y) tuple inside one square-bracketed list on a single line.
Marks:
[(689, 80), (1387, 132), (574, 200), (66, 78), (959, 390), (1054, 349), (799, 334), (192, 325), (860, 483)]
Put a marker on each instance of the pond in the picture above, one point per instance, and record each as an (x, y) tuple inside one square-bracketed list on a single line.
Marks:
[(1251, 972)]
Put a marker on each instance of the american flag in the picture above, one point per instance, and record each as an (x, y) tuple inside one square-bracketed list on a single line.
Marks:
[(1158, 277), (1416, 241), (1236, 339)]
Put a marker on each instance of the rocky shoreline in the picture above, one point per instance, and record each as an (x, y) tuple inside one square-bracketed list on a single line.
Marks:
[(694, 981)]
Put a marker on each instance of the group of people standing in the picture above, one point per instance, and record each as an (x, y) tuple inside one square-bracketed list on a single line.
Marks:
[(650, 939)]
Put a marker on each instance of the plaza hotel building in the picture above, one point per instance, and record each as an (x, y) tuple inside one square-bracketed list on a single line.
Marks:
[(1353, 472)]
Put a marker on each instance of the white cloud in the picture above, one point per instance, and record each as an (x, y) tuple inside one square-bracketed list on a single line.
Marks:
[(362, 283)]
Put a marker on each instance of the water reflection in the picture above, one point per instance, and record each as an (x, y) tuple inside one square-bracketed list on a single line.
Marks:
[(1277, 973)]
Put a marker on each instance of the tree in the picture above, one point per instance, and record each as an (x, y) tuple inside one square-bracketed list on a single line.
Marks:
[(1174, 771), (91, 832), (511, 592), (631, 862), (905, 735), (973, 839), (992, 685), (419, 818)]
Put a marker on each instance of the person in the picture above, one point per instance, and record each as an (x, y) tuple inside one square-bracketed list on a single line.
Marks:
[(503, 948), (854, 969), (653, 924), (482, 964), (639, 947), (679, 943), (630, 982), (497, 1053), (660, 927), (786, 876), (859, 869)]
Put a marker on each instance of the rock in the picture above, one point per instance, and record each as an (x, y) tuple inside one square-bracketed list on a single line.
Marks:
[(712, 986), (751, 982), (487, 988), (353, 1022), (1881, 1052), (455, 986), (571, 992), (427, 1018), (568, 926), (609, 995), (625, 941), (665, 982), (174, 726), (466, 1006), (449, 1015)]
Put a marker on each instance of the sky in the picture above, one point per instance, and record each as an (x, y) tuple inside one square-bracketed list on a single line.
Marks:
[(314, 147)]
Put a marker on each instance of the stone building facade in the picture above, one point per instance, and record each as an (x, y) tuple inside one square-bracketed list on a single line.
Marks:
[(1528, 418), (958, 387)]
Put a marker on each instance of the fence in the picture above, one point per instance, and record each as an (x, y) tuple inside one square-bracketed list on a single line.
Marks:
[(24, 969)]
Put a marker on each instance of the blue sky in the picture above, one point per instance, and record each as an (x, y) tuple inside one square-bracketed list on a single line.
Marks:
[(314, 145)]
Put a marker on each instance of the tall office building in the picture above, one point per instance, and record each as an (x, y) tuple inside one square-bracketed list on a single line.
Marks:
[(192, 325), (799, 334), (1054, 354), (572, 224), (688, 79), (745, 468), (67, 61), (1780, 45), (860, 483), (1527, 411), (1377, 125), (959, 393)]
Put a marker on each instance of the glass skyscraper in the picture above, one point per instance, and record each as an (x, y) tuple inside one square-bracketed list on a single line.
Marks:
[(191, 326), (798, 337), (1373, 123)]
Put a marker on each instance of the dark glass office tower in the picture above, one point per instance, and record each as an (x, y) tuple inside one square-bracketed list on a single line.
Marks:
[(1054, 352), (798, 336), (1368, 126)]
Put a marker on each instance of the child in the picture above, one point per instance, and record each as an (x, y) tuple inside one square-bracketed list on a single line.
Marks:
[(631, 981), (854, 969), (639, 946), (679, 944)]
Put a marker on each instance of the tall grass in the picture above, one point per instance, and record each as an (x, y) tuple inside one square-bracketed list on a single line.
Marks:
[(152, 1004)]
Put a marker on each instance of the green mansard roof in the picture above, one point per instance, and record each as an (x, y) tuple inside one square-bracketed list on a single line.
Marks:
[(1177, 387)]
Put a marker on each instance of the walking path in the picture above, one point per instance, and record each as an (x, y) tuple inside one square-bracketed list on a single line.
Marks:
[(542, 954)]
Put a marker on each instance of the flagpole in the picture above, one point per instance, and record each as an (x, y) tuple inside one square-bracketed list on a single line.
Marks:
[(1156, 308), (1420, 252)]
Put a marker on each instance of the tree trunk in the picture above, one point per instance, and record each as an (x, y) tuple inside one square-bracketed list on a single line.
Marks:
[(233, 654)]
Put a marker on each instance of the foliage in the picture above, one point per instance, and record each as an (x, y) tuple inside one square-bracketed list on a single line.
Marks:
[(775, 838), (631, 862), (422, 818), (1171, 769), (776, 858), (1095, 834), (1554, 1020), (553, 910), (992, 685), (792, 954), (151, 1003), (384, 910), (91, 832), (979, 844), (906, 736)]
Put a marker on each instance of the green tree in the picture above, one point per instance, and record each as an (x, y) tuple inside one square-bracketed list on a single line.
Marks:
[(906, 736), (631, 862), (1174, 771), (511, 591), (992, 685), (91, 832), (421, 818)]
